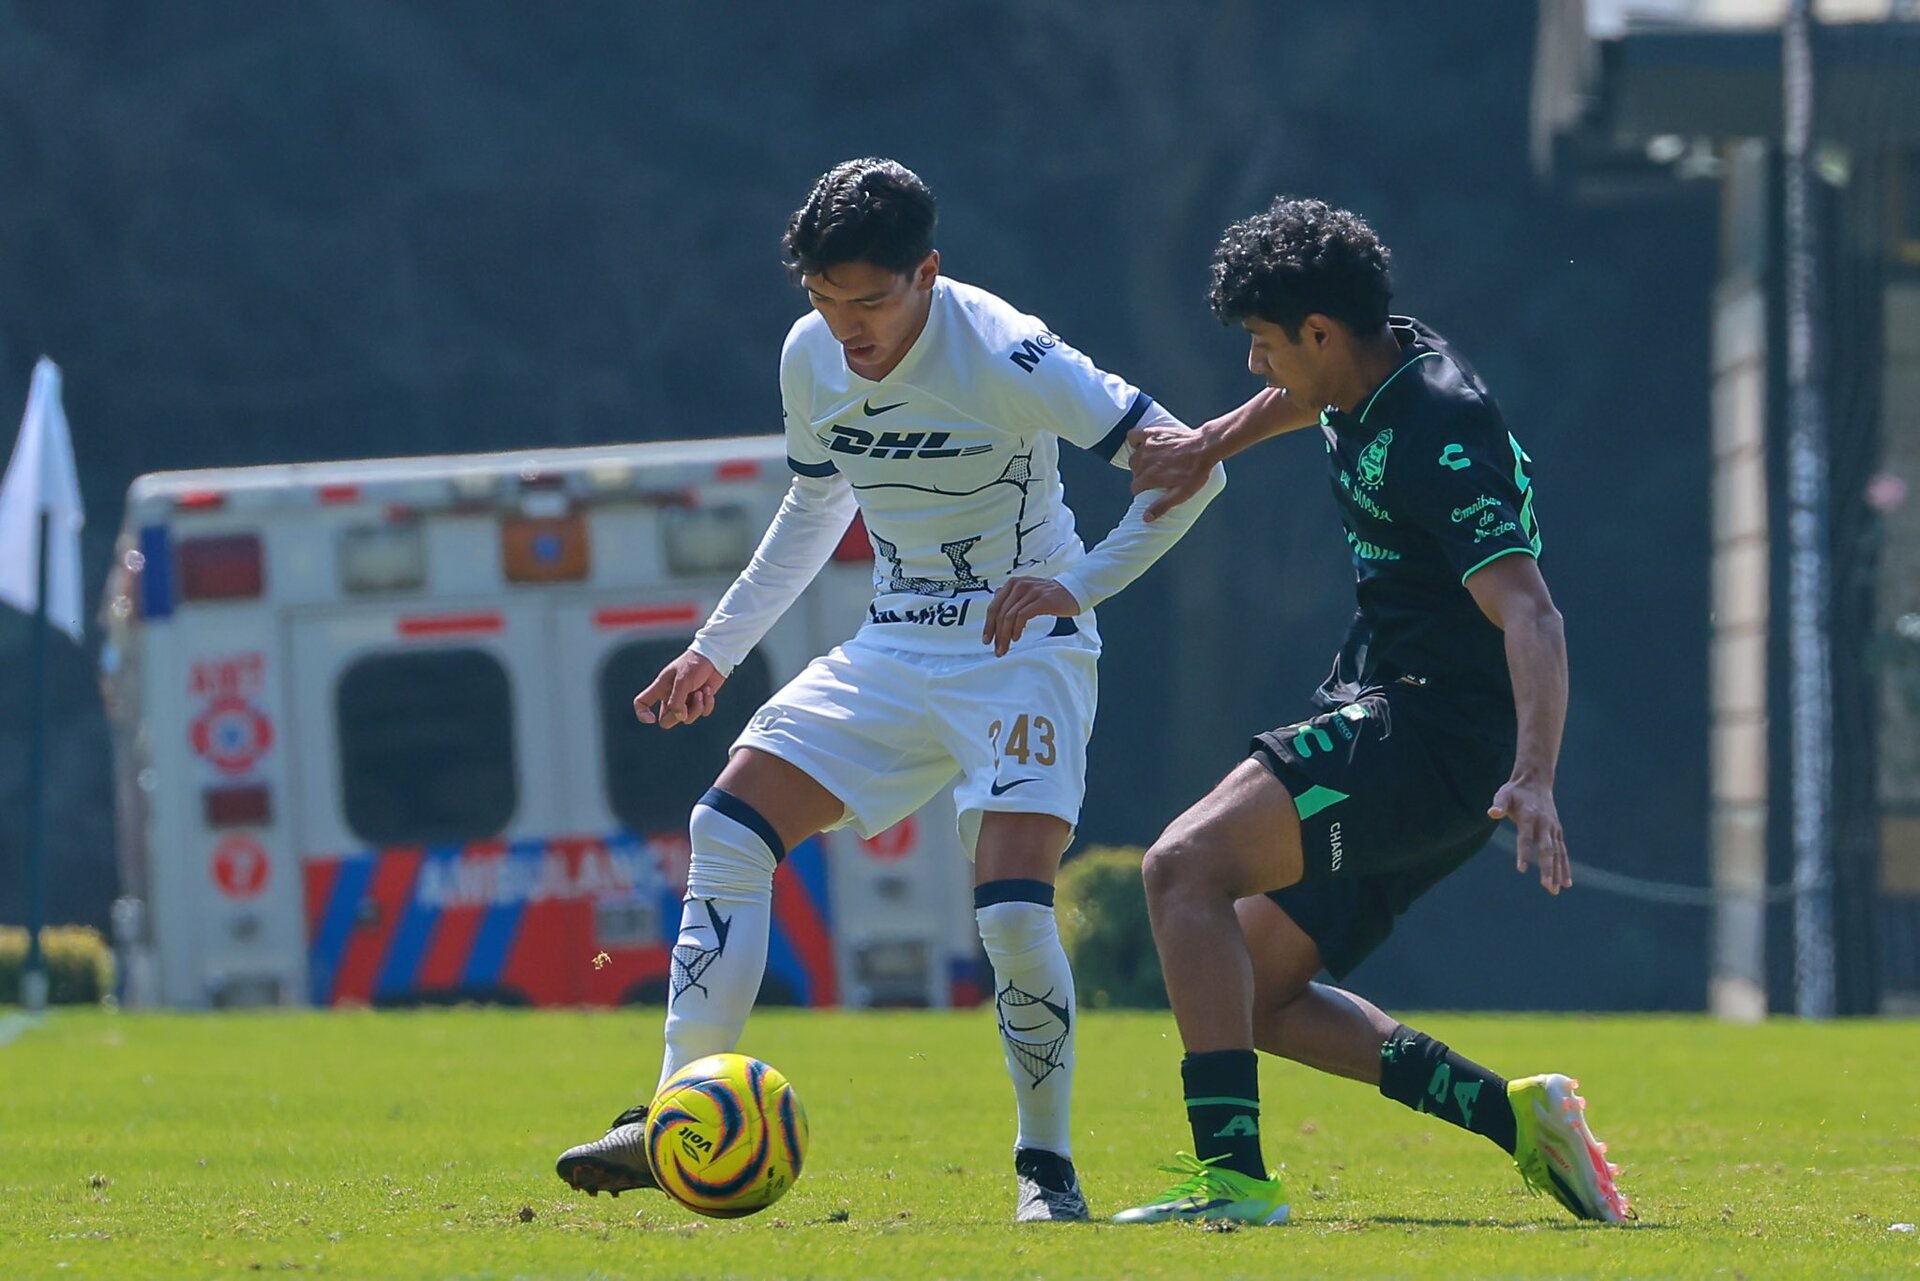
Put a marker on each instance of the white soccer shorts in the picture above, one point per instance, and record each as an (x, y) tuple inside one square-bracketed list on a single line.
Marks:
[(884, 730)]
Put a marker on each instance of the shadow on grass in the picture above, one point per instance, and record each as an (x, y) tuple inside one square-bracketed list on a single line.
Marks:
[(1415, 1221)]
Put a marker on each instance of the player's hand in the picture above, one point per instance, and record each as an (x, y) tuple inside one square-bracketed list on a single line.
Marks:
[(1529, 804), (681, 694), (1019, 600), (1170, 459)]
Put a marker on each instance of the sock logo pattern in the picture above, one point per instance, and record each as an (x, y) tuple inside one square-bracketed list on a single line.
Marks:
[(1243, 1126), (690, 959), (1465, 1094), (1035, 1030)]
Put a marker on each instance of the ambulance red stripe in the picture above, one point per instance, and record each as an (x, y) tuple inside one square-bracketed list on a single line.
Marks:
[(392, 887), (646, 615), (806, 930), (451, 945), (449, 948), (549, 958), (488, 623), (320, 875)]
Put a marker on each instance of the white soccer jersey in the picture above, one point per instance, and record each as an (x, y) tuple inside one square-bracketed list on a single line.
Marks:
[(953, 461), (953, 456)]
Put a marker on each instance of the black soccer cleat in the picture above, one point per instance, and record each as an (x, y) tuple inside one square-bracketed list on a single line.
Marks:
[(615, 1162), (1048, 1188)]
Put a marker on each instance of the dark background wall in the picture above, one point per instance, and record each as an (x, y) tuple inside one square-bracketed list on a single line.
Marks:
[(258, 233)]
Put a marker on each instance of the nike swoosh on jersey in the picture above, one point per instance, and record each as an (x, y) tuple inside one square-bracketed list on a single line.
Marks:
[(866, 407), (998, 788)]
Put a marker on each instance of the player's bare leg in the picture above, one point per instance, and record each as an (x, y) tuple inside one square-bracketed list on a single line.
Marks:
[(758, 809), (1242, 838), (789, 798), (1537, 1120), (1315, 1024), (1016, 860)]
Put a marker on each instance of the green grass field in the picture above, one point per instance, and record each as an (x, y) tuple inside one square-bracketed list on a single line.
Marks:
[(421, 1145)]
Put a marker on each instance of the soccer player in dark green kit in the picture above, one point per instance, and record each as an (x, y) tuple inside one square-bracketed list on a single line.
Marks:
[(1441, 717)]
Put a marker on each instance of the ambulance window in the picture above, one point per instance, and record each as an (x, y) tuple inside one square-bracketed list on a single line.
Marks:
[(426, 747), (654, 777)]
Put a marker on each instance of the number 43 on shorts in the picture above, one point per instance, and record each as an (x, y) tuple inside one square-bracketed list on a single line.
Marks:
[(1030, 737)]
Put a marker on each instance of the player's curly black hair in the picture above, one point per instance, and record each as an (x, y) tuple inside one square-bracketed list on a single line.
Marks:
[(1298, 258), (871, 210)]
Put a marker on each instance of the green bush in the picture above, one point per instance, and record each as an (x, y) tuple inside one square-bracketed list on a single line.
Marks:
[(1102, 910), (79, 964)]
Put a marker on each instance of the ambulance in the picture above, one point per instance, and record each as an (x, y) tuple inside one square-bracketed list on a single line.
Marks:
[(374, 740)]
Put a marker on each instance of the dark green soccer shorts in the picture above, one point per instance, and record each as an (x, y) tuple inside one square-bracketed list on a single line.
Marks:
[(1392, 791)]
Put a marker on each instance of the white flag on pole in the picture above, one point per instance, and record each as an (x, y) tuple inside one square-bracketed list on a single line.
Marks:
[(41, 477)]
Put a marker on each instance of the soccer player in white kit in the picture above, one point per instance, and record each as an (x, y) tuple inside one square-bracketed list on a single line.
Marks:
[(934, 409)]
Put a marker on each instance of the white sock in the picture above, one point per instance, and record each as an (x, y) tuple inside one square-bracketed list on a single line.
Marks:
[(1033, 998), (721, 953)]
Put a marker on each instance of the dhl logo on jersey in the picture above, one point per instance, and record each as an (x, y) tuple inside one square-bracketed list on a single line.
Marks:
[(896, 444)]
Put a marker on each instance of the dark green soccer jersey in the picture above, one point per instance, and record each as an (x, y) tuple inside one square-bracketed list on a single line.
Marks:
[(1431, 488)]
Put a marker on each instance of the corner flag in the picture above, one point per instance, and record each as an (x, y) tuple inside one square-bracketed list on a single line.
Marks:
[(40, 521), (41, 478)]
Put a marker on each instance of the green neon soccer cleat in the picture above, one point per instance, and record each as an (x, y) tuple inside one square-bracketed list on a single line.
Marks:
[(1557, 1154), (1204, 1192)]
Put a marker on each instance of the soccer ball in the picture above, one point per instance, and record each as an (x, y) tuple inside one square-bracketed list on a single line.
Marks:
[(726, 1136)]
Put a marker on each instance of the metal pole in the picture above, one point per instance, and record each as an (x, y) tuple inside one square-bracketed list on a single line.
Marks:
[(1808, 570), (33, 980)]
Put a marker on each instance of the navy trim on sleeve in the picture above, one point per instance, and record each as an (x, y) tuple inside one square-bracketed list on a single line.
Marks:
[(1109, 444), (1012, 890), (746, 816), (815, 470)]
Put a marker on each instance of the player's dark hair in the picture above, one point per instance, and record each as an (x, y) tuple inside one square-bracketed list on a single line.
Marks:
[(872, 210), (1298, 258)]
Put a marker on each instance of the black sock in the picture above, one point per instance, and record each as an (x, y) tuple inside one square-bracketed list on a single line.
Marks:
[(1223, 1107), (1428, 1077)]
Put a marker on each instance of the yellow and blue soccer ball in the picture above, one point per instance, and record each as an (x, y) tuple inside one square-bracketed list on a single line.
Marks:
[(726, 1136)]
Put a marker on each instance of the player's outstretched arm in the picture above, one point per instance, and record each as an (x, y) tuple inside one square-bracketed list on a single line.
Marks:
[(803, 534), (1127, 552), (1514, 597), (1177, 461)]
